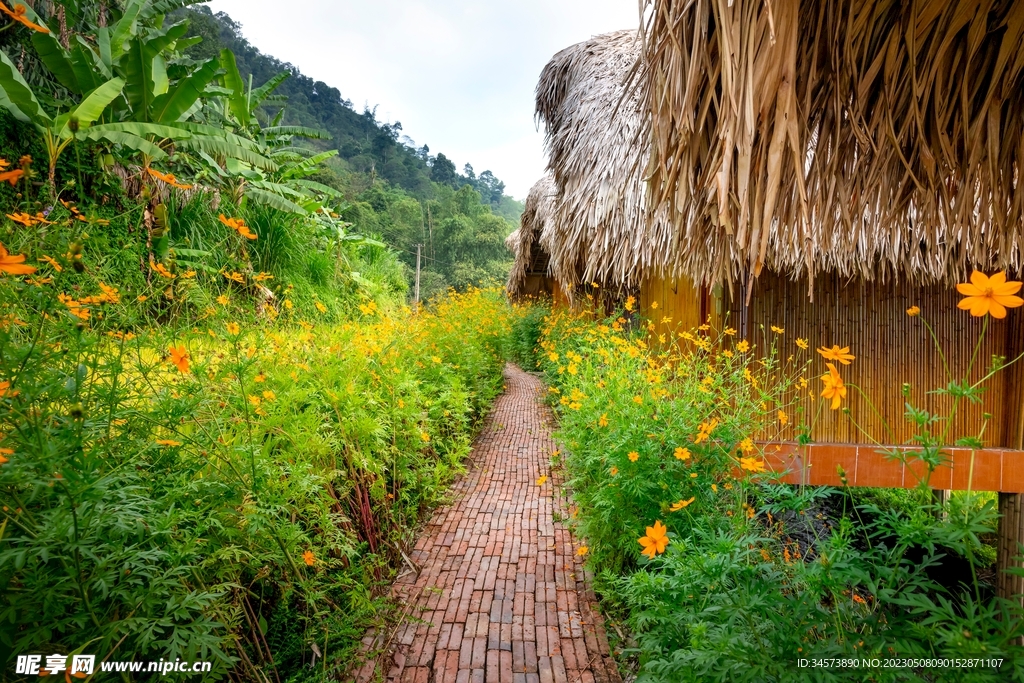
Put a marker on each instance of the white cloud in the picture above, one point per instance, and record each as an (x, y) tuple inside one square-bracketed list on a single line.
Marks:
[(458, 74)]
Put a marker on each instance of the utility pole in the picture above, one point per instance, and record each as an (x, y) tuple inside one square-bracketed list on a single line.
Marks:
[(416, 308)]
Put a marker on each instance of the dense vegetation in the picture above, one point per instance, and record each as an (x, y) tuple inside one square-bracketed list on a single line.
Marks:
[(219, 418), (723, 575)]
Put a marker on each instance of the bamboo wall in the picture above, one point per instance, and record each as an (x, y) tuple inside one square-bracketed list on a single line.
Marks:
[(675, 305), (891, 348)]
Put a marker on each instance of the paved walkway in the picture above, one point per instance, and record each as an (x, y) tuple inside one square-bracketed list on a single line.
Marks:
[(502, 596)]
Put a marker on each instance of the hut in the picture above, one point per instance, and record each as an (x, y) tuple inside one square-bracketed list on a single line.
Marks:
[(816, 166), (529, 275), (598, 151)]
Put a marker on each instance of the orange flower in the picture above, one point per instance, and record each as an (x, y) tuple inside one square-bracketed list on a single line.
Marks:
[(914, 311), (676, 507), (582, 550), (238, 225), (989, 295), (169, 179), (223, 300), (25, 219), (613, 471), (233, 328), (14, 264), (179, 358), (704, 432), (682, 453), (260, 277), (835, 353), (834, 387), (162, 270), (53, 264), (541, 480), (234, 277), (18, 15), (633, 456), (309, 558), (655, 541), (802, 343)]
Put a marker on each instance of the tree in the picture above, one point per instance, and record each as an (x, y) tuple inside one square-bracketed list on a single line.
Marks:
[(443, 171)]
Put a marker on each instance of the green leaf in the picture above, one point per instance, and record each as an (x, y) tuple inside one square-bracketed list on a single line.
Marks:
[(125, 28), (128, 140), (224, 147), (301, 131), (237, 101), (274, 201), (317, 187), (308, 165), (20, 98), (143, 129), (56, 60), (185, 93), (103, 43), (86, 66), (145, 71), (96, 102), (261, 93)]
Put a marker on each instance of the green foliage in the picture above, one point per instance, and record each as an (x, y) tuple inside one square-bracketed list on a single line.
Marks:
[(176, 486), (755, 574)]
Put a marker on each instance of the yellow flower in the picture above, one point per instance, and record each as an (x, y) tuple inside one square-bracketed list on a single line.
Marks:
[(654, 305), (260, 378), (655, 541), (553, 357), (743, 346), (269, 396), (320, 307), (425, 436), (704, 431), (167, 442), (223, 300), (783, 418), (752, 464), (989, 295), (714, 487), (141, 297), (747, 445), (630, 301), (613, 471), (682, 453), (676, 507), (777, 330), (436, 359), (234, 277), (802, 343), (582, 550), (233, 328), (633, 456), (542, 479), (603, 420), (638, 400), (914, 311), (835, 353), (834, 388), (730, 331)]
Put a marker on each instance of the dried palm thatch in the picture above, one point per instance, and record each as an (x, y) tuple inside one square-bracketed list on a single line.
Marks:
[(598, 151), (532, 234), (876, 138)]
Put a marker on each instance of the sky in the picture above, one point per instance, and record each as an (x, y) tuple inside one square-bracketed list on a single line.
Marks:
[(458, 74)]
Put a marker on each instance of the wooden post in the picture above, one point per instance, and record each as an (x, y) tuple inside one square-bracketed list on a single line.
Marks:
[(1011, 534), (417, 297)]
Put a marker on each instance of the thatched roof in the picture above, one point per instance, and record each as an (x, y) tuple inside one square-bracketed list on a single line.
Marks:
[(535, 226), (598, 152), (874, 138)]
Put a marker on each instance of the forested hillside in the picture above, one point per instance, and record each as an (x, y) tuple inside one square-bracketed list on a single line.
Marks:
[(398, 191)]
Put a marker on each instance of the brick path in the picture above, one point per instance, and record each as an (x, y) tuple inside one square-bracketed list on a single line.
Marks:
[(501, 596)]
